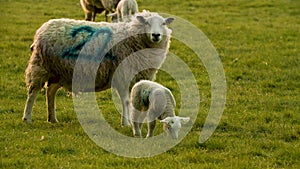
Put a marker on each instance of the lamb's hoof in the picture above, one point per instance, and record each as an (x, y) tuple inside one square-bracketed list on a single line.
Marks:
[(26, 120)]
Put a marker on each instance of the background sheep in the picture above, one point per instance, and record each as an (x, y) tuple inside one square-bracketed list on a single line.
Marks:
[(153, 101), (92, 7), (124, 10), (59, 43)]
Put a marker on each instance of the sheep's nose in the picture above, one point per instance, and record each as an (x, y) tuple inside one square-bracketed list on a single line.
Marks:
[(156, 36)]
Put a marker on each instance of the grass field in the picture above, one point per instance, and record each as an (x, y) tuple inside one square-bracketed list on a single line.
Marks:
[(258, 42)]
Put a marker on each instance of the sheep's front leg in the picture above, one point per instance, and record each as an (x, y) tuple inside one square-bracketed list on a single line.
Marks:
[(32, 93), (89, 16), (50, 99), (151, 117)]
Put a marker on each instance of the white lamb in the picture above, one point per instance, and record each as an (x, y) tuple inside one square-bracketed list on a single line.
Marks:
[(153, 101), (59, 43), (124, 11)]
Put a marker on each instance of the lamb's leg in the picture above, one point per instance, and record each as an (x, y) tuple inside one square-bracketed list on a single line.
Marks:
[(151, 126), (137, 122), (31, 96), (151, 122), (50, 99)]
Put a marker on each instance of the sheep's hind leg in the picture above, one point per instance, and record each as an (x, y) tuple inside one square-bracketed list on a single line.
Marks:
[(31, 96), (50, 99), (125, 113)]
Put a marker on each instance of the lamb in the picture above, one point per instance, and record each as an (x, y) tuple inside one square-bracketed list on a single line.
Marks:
[(124, 10), (92, 7), (60, 43), (153, 101)]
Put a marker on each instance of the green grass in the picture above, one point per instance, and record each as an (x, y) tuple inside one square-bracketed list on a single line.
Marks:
[(258, 43)]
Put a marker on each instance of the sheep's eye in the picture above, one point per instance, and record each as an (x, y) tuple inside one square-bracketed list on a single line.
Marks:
[(164, 23), (171, 122)]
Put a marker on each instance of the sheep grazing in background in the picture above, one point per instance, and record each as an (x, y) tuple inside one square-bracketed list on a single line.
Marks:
[(109, 6), (124, 10), (60, 43), (92, 7), (153, 101)]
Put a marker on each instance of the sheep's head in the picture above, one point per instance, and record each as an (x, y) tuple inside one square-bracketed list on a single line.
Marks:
[(173, 125), (155, 27)]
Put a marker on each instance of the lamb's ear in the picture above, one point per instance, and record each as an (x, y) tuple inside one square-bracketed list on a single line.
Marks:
[(166, 120), (168, 21), (184, 119), (141, 19)]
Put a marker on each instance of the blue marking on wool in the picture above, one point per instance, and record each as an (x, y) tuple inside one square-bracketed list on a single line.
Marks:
[(92, 34), (88, 29)]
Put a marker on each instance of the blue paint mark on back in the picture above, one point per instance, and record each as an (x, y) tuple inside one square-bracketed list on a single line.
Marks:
[(93, 34), (88, 29)]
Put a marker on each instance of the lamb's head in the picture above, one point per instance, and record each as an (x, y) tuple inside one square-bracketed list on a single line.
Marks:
[(173, 125), (155, 27)]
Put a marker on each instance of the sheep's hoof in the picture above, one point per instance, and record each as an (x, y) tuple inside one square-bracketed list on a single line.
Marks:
[(26, 120), (125, 122), (148, 136), (52, 120), (138, 136)]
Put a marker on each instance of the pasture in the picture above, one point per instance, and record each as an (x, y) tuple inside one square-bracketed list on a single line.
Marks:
[(258, 42)]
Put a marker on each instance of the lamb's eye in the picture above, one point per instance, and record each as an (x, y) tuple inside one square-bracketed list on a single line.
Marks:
[(164, 23), (171, 122)]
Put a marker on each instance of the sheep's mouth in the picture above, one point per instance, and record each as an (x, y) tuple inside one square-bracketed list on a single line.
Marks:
[(155, 37)]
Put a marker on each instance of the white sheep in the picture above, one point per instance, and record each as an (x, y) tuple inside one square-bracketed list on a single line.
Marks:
[(59, 43), (92, 7), (124, 10), (153, 101)]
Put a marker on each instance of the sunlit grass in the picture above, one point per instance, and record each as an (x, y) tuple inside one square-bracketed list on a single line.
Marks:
[(258, 44)]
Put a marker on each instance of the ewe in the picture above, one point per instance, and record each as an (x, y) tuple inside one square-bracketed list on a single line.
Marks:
[(60, 43)]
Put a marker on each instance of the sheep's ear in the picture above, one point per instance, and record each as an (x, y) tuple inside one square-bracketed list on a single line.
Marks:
[(141, 19), (168, 21), (184, 119)]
